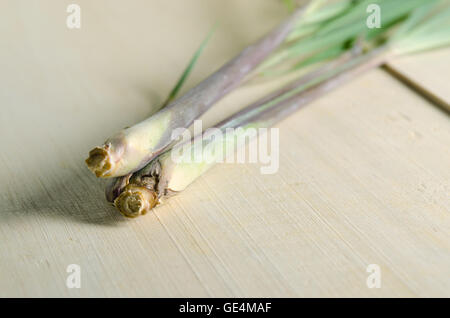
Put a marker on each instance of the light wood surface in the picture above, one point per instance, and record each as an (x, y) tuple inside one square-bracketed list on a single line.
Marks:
[(364, 172)]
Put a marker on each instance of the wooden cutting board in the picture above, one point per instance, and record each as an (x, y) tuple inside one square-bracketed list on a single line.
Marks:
[(363, 179)]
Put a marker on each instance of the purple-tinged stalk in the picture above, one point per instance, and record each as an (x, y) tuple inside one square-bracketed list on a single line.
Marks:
[(132, 148)]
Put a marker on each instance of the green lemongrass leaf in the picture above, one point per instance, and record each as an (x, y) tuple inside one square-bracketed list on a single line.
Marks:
[(354, 13), (370, 38), (305, 30), (432, 33), (357, 14), (309, 25), (312, 44), (184, 76), (314, 21), (391, 11), (327, 12), (314, 6), (415, 18), (439, 19), (344, 29), (317, 12)]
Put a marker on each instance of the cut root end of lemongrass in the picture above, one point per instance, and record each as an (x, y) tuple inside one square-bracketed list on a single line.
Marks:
[(99, 161), (135, 201)]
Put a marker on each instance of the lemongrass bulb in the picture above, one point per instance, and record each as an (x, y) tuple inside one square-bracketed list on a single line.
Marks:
[(135, 201)]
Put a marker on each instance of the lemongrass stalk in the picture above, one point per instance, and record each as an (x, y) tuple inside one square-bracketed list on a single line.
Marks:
[(164, 177), (313, 22), (427, 28), (117, 185), (132, 148)]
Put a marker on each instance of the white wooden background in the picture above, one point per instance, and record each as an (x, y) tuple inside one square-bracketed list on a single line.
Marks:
[(364, 172)]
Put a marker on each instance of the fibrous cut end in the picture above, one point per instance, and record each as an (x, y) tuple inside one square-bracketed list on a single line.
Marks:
[(135, 201), (99, 161)]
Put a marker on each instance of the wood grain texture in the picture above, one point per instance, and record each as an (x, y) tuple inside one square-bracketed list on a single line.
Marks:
[(364, 172)]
